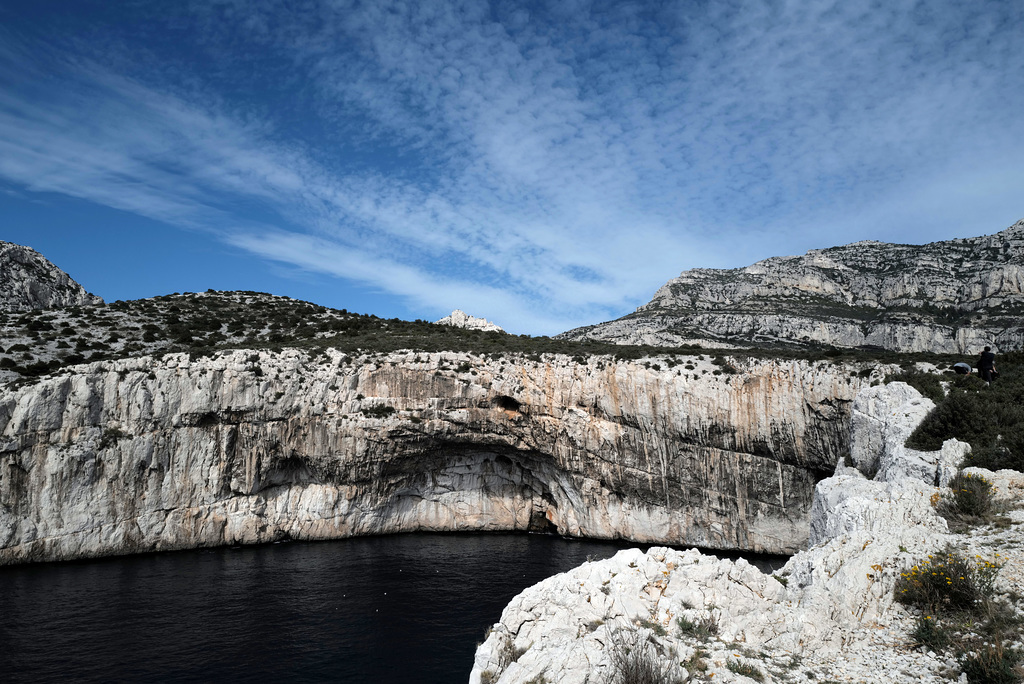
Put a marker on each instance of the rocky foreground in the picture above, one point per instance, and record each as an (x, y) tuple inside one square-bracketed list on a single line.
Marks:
[(172, 452), (828, 615)]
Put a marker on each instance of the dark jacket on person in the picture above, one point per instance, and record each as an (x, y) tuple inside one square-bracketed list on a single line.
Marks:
[(987, 361)]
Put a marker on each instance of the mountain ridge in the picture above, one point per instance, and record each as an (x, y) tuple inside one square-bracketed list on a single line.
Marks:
[(952, 296), (28, 281)]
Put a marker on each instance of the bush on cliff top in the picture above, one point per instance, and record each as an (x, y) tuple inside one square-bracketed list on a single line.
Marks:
[(212, 321), (635, 662), (971, 496), (988, 417)]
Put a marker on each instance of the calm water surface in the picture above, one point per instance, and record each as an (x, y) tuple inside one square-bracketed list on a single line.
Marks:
[(401, 608)]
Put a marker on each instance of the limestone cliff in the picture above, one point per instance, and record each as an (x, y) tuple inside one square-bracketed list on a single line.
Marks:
[(29, 281), (174, 452), (952, 297)]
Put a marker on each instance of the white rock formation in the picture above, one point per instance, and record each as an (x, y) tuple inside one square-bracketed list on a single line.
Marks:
[(460, 319), (954, 297), (29, 281), (830, 610), (883, 418), (147, 454)]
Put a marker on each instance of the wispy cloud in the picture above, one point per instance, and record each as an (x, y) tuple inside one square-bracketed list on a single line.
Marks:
[(544, 169)]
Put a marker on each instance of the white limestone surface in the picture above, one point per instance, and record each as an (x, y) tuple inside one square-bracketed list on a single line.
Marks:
[(461, 319), (884, 417), (828, 614)]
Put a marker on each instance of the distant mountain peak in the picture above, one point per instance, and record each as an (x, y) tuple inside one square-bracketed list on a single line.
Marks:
[(954, 296), (28, 281), (460, 319)]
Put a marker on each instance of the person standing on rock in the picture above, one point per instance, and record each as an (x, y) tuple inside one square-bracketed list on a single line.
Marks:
[(987, 365)]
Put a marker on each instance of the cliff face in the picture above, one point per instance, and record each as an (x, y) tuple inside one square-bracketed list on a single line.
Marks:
[(147, 454), (952, 297), (29, 281)]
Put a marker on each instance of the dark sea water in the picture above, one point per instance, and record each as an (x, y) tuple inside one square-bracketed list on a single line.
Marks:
[(401, 608)]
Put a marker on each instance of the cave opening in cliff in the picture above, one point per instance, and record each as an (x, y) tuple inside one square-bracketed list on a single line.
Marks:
[(541, 524), (506, 402), (477, 487)]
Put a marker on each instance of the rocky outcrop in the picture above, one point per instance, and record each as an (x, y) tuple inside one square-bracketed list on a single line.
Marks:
[(247, 447), (29, 281), (460, 319), (828, 613), (883, 419), (955, 297)]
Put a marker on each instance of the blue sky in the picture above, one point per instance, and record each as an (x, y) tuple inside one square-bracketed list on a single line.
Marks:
[(544, 165)]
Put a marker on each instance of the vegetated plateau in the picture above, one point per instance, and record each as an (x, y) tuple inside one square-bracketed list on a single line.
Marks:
[(38, 342)]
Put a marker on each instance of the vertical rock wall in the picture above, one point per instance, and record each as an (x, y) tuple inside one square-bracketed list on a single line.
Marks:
[(146, 454)]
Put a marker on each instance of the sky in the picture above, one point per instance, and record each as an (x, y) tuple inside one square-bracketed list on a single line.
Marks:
[(543, 165)]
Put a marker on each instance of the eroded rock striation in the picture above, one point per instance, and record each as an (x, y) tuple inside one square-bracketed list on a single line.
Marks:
[(954, 296), (829, 613), (175, 452), (29, 281)]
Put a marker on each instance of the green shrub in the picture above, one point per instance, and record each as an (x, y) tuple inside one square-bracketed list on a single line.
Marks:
[(992, 663), (378, 411), (110, 437), (702, 628), (960, 416), (947, 582), (745, 669), (990, 418), (970, 496), (1007, 451), (929, 631), (634, 662)]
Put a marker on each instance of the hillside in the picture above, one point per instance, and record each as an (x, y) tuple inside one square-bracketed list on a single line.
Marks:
[(35, 343), (201, 419), (947, 297)]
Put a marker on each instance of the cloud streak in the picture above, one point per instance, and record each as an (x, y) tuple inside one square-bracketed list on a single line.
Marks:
[(545, 170)]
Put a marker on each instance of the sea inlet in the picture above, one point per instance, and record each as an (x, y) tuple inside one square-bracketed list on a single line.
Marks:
[(406, 608)]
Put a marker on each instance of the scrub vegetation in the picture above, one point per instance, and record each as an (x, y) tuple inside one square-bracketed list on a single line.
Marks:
[(961, 611), (634, 661), (989, 417), (37, 343)]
